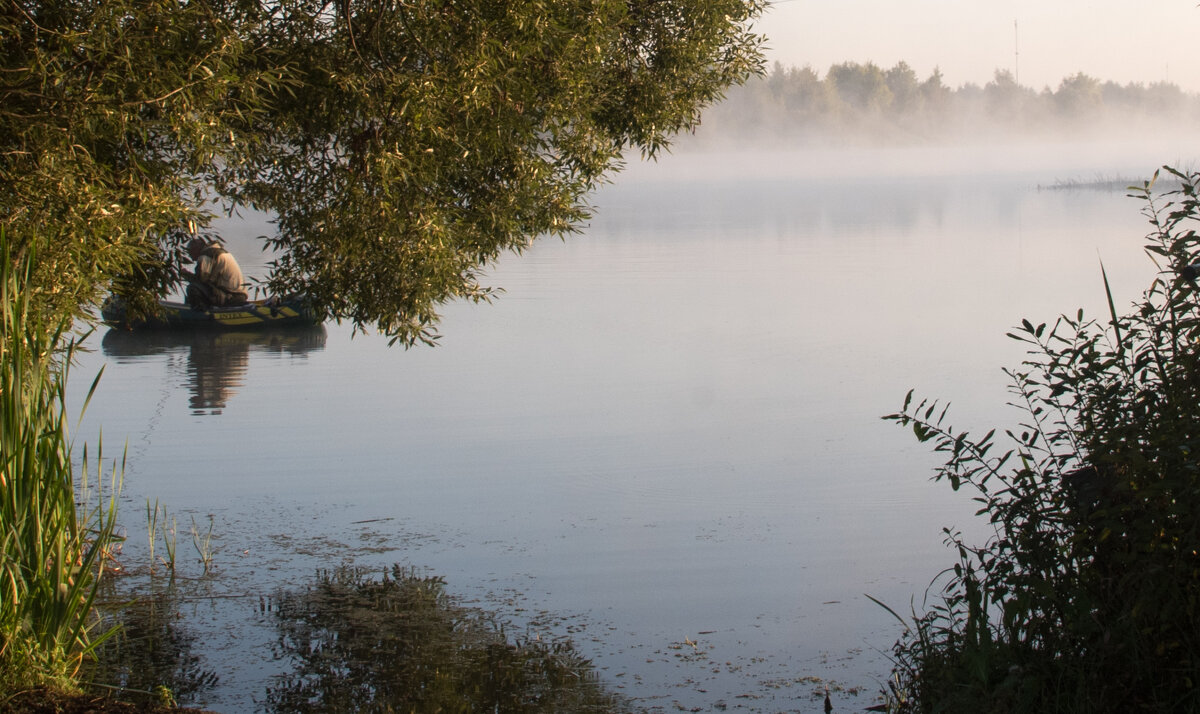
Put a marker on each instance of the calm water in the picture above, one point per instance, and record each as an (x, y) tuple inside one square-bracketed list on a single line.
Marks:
[(665, 431)]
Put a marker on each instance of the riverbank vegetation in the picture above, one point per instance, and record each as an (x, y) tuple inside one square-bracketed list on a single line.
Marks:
[(863, 103), (52, 551), (1087, 599)]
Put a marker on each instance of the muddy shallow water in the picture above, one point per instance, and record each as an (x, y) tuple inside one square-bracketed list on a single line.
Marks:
[(663, 440)]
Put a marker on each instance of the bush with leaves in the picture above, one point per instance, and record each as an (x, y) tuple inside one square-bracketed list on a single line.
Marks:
[(1087, 598)]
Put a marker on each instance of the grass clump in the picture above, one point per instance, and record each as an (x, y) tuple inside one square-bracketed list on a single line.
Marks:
[(1087, 598), (52, 550)]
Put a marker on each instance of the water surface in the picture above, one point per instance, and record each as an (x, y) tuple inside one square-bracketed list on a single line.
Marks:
[(666, 431)]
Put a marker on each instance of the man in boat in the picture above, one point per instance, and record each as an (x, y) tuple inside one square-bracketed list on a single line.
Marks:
[(217, 281)]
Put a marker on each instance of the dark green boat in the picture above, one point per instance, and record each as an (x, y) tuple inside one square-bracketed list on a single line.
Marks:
[(272, 312)]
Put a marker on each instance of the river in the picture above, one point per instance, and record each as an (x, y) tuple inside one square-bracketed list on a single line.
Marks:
[(663, 440)]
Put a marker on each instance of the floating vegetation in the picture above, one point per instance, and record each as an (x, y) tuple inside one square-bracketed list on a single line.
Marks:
[(1100, 182), (1096, 183), (355, 642)]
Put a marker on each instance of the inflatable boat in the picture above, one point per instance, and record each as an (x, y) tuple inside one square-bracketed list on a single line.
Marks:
[(271, 312)]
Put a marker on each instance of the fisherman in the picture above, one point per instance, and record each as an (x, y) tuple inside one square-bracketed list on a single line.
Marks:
[(217, 281)]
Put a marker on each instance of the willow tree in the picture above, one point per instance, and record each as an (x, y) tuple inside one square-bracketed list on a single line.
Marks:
[(401, 146)]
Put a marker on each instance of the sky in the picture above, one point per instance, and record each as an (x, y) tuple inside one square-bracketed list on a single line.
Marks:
[(1119, 40)]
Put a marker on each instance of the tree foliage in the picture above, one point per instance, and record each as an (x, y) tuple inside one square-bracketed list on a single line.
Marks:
[(1088, 597), (401, 146)]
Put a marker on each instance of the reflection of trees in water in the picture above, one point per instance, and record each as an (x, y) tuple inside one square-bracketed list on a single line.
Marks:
[(217, 362), (151, 650), (402, 644)]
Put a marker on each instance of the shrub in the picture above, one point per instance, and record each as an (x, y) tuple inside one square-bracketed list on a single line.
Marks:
[(1087, 598)]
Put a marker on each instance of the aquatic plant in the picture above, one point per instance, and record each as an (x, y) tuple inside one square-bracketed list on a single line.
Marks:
[(203, 543), (168, 535), (52, 551), (400, 643), (151, 530), (169, 542), (1087, 598)]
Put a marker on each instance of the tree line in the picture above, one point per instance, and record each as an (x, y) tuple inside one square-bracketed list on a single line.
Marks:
[(864, 99)]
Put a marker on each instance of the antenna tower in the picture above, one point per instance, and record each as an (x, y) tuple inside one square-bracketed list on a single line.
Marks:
[(1016, 56)]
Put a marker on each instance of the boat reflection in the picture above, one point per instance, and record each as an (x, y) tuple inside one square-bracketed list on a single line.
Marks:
[(216, 362)]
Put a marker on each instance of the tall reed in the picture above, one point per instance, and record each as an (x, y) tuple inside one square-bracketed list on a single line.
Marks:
[(52, 550)]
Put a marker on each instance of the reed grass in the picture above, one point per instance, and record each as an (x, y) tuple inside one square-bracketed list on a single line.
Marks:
[(152, 530), (203, 543), (169, 541), (168, 532), (52, 550)]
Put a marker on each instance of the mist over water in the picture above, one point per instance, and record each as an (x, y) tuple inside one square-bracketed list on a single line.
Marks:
[(864, 105), (665, 430)]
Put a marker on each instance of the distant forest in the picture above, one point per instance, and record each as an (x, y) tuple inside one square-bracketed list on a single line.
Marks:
[(866, 103)]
